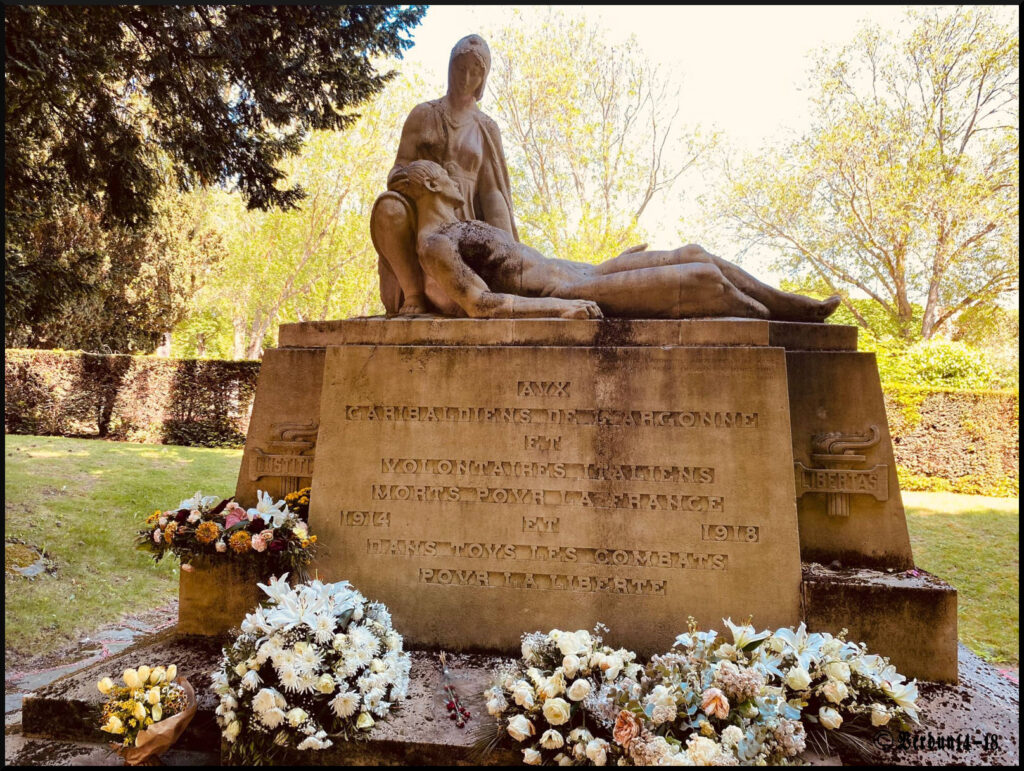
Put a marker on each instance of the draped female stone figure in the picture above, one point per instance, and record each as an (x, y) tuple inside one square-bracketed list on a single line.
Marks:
[(454, 133)]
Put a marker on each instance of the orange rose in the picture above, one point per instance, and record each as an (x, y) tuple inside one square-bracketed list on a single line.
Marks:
[(714, 703), (627, 728)]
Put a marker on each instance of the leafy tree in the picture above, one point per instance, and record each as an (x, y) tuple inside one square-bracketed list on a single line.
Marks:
[(98, 98), (123, 285), (906, 186), (590, 132), (308, 264)]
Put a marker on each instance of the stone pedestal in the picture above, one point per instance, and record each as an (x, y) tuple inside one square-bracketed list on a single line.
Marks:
[(214, 599), (487, 478)]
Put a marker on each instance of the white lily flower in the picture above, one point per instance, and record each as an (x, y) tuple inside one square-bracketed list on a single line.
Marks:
[(744, 635), (274, 514), (805, 647), (905, 696)]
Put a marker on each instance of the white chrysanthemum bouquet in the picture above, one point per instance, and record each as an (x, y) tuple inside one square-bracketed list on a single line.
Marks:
[(318, 661), (542, 702)]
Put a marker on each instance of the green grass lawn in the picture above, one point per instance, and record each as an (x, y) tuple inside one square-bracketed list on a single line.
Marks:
[(82, 501), (973, 542)]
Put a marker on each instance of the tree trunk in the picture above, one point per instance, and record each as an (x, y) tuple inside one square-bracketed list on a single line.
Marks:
[(238, 342)]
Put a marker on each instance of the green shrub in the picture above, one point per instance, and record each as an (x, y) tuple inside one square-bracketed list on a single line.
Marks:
[(136, 398), (944, 363)]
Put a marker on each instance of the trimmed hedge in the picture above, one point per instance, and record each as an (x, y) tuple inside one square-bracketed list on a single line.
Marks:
[(134, 398), (956, 441)]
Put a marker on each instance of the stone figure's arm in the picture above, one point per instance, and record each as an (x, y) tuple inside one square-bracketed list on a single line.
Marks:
[(418, 134), (440, 259), (496, 210)]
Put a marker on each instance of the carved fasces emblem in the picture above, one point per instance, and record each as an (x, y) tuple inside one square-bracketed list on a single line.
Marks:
[(289, 455), (839, 479)]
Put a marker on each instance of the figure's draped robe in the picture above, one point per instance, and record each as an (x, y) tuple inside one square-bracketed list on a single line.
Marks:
[(435, 140)]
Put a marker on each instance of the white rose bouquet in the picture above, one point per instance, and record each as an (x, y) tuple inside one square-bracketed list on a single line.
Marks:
[(544, 701), (319, 661)]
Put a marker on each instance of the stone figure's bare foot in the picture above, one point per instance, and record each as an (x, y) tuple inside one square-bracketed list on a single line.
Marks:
[(414, 307), (827, 307)]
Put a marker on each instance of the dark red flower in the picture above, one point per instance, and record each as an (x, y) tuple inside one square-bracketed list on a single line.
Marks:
[(276, 545), (181, 516), (257, 526)]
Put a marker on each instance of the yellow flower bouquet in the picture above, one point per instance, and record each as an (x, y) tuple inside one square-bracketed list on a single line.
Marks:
[(148, 713)]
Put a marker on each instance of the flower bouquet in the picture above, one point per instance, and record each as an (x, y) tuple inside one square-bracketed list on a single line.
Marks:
[(318, 662), (298, 502), (150, 711), (757, 699), (543, 701), (203, 530)]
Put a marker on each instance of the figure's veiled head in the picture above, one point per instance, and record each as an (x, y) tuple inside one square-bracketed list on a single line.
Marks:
[(474, 47)]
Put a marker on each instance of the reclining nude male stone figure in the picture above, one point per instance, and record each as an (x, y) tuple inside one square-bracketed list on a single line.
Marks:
[(488, 274)]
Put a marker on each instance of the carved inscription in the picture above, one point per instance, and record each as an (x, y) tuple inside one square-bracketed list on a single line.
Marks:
[(592, 499), (267, 465), (644, 558), (366, 518), (540, 524), (738, 533), (873, 481), (564, 582), (543, 388), (617, 472), (621, 481), (576, 417)]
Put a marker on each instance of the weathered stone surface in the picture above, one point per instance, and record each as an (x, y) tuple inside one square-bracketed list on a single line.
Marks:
[(378, 330), (481, 492), (280, 447), (213, 599), (909, 618), (840, 392), (70, 708)]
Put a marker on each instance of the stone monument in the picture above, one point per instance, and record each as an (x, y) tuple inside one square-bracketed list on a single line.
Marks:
[(654, 437)]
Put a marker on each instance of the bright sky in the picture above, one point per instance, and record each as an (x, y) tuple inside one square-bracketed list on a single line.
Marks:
[(741, 66), (742, 69)]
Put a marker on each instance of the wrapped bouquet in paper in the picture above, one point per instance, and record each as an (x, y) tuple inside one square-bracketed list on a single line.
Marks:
[(148, 713)]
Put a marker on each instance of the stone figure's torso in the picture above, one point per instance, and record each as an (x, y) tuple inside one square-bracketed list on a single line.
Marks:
[(508, 266)]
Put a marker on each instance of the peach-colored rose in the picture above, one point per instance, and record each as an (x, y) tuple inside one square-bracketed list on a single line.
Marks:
[(627, 728), (267, 535), (258, 544), (714, 703)]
